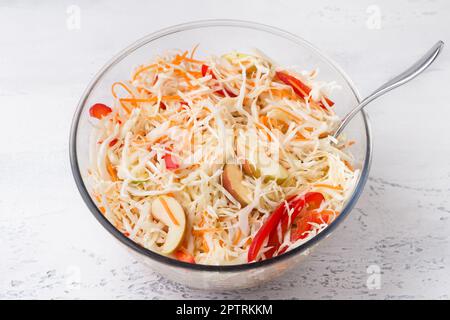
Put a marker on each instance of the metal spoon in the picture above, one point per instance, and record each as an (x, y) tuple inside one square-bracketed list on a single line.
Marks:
[(409, 74)]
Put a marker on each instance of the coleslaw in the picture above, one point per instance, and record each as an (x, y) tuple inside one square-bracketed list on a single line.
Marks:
[(226, 160)]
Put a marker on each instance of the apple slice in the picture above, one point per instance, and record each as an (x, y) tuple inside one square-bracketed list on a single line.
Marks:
[(274, 171), (167, 210), (257, 163), (266, 167), (250, 169), (271, 171), (232, 182)]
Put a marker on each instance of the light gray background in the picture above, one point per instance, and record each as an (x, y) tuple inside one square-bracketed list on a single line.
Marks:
[(51, 246)]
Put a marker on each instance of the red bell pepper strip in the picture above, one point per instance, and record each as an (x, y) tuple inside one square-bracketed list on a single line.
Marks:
[(113, 142), (299, 87), (266, 229), (231, 94), (304, 223), (99, 110), (171, 164), (205, 70), (310, 200), (183, 256)]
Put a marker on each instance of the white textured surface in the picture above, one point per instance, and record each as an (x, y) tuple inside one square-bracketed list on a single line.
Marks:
[(48, 239)]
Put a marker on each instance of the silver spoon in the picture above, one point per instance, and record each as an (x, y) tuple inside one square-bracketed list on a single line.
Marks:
[(409, 74)]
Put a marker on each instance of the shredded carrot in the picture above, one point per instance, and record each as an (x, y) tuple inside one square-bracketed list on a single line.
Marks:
[(144, 90), (271, 123), (178, 59), (195, 74), (324, 135), (142, 69), (127, 110), (328, 186), (348, 165), (205, 245), (171, 98), (264, 120), (299, 136), (264, 126), (237, 237), (247, 101), (162, 138), (111, 171), (169, 212), (135, 100), (350, 143), (150, 100), (123, 86), (202, 221), (314, 105), (279, 124), (282, 93), (265, 132), (102, 209), (200, 232), (183, 74), (194, 60)]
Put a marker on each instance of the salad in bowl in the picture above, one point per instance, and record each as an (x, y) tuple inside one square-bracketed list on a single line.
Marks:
[(221, 160)]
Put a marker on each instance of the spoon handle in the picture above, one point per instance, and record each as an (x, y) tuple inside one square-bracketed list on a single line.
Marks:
[(409, 74)]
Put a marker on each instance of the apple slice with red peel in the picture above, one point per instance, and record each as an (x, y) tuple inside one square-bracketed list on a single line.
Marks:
[(232, 181), (250, 169), (168, 211)]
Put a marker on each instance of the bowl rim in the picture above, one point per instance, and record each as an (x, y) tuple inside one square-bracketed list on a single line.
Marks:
[(202, 267)]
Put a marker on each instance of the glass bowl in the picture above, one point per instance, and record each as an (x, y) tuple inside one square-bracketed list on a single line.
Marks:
[(217, 37)]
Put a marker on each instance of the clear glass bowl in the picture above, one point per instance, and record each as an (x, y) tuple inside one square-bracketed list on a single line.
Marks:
[(216, 37)]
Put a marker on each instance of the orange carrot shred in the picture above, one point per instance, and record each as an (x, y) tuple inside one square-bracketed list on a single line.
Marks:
[(123, 86), (142, 69), (328, 186), (348, 165), (237, 237), (169, 212), (111, 171)]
